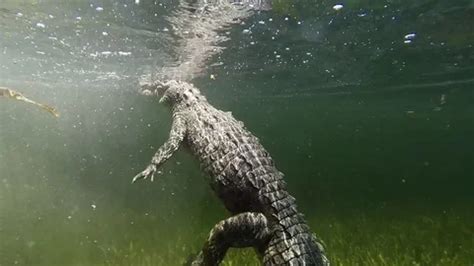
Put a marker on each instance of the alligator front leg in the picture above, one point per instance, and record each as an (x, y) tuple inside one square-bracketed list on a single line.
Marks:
[(177, 133), (247, 229)]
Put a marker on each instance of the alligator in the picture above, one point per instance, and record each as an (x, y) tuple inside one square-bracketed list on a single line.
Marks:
[(242, 174)]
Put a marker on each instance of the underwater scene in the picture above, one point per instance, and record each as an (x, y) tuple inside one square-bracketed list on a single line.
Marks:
[(366, 108)]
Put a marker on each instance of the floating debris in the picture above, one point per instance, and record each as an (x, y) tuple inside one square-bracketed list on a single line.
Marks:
[(9, 93), (337, 7), (40, 25), (410, 36), (443, 99), (410, 113)]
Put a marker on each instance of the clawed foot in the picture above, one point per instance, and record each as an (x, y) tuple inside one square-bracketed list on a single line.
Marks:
[(148, 172)]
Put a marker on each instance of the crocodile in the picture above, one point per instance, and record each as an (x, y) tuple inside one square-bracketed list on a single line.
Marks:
[(242, 174)]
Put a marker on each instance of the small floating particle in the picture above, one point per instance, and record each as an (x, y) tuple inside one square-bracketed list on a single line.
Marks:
[(99, 8), (337, 7), (246, 31), (93, 206), (78, 18), (124, 53), (40, 25), (212, 76), (165, 29), (19, 14), (443, 99), (407, 41), (410, 36), (105, 33), (261, 22)]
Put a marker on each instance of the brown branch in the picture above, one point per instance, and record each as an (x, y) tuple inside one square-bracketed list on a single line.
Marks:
[(12, 94)]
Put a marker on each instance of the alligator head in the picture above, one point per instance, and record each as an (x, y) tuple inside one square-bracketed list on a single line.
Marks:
[(172, 92)]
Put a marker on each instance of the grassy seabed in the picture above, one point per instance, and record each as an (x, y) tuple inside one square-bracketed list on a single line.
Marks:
[(358, 238)]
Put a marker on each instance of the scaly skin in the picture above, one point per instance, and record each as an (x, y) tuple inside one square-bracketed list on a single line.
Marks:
[(243, 175)]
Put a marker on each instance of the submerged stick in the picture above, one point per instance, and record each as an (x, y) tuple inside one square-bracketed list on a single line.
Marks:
[(12, 94)]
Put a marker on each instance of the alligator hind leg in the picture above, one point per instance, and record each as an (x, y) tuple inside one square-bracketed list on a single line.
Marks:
[(248, 229)]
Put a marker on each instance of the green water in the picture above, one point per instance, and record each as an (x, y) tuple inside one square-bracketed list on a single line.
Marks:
[(374, 135)]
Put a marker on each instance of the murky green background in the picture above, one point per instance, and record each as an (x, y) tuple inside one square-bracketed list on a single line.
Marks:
[(375, 135)]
